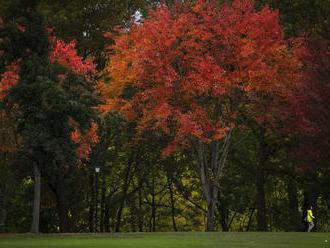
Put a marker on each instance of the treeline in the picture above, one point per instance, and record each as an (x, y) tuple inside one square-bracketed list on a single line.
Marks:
[(92, 166)]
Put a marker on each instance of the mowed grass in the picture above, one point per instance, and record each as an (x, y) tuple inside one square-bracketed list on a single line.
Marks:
[(168, 240)]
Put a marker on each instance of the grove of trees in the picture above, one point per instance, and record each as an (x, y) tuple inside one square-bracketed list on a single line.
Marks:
[(144, 116)]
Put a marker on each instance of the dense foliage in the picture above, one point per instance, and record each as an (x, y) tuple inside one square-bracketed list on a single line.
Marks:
[(201, 115)]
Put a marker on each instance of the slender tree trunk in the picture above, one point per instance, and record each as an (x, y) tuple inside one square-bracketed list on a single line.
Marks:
[(172, 205), (3, 211), (293, 204), (91, 203), (96, 214), (107, 218), (128, 176), (102, 219), (140, 220), (153, 205), (36, 201), (260, 184), (261, 203), (224, 215), (211, 207), (250, 220), (63, 214), (210, 172)]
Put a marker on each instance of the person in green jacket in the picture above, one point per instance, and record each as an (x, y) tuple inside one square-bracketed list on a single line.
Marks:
[(310, 219)]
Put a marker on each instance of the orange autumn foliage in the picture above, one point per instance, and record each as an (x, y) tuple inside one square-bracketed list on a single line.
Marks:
[(65, 54), (192, 68), (85, 140), (8, 79)]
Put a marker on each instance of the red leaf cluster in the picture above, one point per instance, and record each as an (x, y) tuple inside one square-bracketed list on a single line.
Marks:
[(194, 67), (65, 54), (86, 140), (8, 79)]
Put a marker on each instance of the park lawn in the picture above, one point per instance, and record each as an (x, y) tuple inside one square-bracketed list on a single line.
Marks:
[(168, 240)]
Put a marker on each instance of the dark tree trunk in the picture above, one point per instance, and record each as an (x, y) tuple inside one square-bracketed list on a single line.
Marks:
[(210, 224), (63, 215), (96, 213), (153, 205), (293, 204), (128, 176), (107, 218), (261, 203), (260, 183), (36, 201), (172, 205), (102, 217), (91, 203), (210, 171), (62, 205), (250, 220), (3, 211), (224, 216), (140, 220)]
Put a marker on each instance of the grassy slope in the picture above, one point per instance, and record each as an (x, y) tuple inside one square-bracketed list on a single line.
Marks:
[(168, 240)]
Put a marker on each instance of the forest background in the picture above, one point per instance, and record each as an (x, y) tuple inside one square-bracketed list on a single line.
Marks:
[(72, 162)]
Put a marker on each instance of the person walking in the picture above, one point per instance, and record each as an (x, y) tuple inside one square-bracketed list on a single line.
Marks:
[(310, 219)]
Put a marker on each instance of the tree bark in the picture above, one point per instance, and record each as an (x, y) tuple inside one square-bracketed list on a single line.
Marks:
[(293, 204), (261, 201), (153, 205), (63, 215), (96, 215), (91, 203), (128, 176), (172, 205), (140, 220), (107, 218), (250, 220), (260, 183), (3, 212), (224, 215), (36, 201), (102, 218), (210, 172)]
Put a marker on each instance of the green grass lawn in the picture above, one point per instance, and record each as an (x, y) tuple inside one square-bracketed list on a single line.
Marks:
[(168, 240)]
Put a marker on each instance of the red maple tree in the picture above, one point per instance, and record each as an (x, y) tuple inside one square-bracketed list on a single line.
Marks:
[(193, 68)]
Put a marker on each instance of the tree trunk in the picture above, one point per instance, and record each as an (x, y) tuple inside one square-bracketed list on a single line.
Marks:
[(3, 212), (107, 218), (96, 216), (102, 218), (128, 176), (153, 205), (172, 205), (140, 220), (260, 183), (293, 204), (36, 201), (261, 202), (210, 225), (210, 172), (224, 215), (63, 215), (250, 220), (91, 203)]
